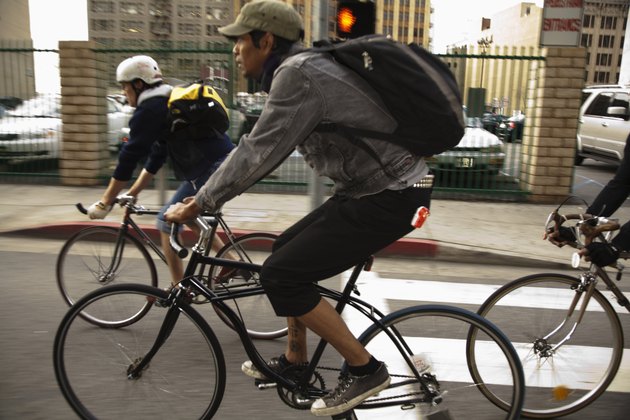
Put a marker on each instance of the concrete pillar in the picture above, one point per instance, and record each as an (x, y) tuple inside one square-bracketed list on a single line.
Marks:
[(84, 153), (553, 102)]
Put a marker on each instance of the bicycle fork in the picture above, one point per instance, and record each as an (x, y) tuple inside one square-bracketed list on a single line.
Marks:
[(135, 369), (582, 291)]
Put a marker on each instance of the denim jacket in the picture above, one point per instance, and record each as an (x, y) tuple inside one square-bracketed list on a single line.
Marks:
[(310, 88)]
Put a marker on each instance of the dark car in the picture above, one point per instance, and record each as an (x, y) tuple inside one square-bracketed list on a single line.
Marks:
[(491, 121), (511, 130)]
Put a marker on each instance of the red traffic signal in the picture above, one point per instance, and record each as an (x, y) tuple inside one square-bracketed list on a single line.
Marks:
[(355, 18)]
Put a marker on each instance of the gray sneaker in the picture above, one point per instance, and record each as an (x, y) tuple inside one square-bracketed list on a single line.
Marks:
[(351, 391)]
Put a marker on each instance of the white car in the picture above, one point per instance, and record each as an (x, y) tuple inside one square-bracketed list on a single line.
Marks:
[(479, 151), (604, 124), (32, 131)]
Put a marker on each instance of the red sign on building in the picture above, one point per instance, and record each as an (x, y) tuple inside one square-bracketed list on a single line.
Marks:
[(562, 23)]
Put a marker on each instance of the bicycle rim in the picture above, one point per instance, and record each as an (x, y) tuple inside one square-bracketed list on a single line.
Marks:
[(185, 379), (255, 311), (89, 260), (573, 376), (436, 337)]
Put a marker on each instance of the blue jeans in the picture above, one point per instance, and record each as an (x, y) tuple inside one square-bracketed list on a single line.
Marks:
[(185, 189)]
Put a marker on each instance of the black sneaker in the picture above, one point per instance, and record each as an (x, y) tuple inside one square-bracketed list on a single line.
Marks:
[(351, 391), (277, 364)]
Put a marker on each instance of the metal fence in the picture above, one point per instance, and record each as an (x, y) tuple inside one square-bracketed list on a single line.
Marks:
[(481, 167)]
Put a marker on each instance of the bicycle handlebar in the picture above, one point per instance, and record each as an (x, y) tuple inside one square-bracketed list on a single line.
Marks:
[(179, 249), (588, 225)]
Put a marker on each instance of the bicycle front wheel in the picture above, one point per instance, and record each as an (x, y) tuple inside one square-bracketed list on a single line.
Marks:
[(533, 312), (255, 311), (435, 338), (185, 378), (98, 256)]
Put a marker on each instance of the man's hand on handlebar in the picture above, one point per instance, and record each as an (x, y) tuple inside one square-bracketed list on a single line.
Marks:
[(561, 236), (183, 212), (600, 253)]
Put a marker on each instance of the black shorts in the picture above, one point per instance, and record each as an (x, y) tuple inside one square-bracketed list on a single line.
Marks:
[(336, 236)]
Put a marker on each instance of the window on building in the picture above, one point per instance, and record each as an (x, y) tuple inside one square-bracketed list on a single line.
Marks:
[(588, 21), (606, 41), (602, 77), (215, 13), (133, 26), (102, 25), (159, 9), (98, 6), (108, 42), (188, 11), (131, 8), (160, 28), (212, 30), (588, 58), (604, 59), (189, 29), (608, 22), (587, 40)]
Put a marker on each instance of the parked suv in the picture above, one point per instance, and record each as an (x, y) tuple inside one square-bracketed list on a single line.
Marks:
[(604, 124)]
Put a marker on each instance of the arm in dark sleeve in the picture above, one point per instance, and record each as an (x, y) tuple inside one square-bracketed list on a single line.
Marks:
[(145, 128), (616, 191), (622, 240)]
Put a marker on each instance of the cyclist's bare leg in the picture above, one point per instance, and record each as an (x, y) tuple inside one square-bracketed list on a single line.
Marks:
[(175, 265), (324, 321), (296, 351)]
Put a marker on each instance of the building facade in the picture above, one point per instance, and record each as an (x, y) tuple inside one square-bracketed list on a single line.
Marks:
[(17, 68), (604, 25)]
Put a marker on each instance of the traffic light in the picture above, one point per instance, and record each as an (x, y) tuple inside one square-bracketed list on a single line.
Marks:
[(355, 18)]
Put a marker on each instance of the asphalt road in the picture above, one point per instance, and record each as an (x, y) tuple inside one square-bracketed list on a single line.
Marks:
[(31, 308)]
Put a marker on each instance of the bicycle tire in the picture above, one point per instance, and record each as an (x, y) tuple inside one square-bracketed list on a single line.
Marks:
[(255, 311), (437, 336), (571, 378), (186, 378), (85, 261)]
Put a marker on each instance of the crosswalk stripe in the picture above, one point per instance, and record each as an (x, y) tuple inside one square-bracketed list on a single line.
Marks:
[(378, 291), (370, 283)]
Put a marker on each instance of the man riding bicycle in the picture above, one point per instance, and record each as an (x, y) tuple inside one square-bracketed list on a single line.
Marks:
[(149, 129), (372, 204)]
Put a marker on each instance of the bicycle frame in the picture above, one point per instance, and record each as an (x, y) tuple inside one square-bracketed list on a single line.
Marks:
[(588, 283), (193, 285)]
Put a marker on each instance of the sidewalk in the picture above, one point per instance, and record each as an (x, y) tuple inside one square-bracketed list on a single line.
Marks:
[(480, 232)]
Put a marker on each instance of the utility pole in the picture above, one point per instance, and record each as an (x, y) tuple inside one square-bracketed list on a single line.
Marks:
[(320, 32)]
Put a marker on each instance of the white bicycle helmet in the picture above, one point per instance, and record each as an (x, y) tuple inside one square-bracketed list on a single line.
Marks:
[(140, 67)]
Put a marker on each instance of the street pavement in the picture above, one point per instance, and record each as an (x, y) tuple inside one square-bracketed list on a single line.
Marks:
[(507, 233)]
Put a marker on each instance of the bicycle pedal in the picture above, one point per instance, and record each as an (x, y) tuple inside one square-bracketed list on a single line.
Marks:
[(262, 385)]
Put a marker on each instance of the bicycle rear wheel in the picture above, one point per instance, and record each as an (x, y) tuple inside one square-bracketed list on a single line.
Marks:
[(184, 379), (435, 337), (567, 379), (98, 256), (255, 311)]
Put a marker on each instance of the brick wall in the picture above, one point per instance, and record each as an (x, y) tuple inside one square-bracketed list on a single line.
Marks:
[(84, 151), (554, 97)]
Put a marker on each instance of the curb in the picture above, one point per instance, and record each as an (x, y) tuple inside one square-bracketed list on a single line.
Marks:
[(403, 248), (406, 247)]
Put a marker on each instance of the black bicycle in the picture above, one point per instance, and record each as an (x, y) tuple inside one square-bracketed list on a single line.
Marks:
[(169, 360), (567, 333), (102, 255)]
